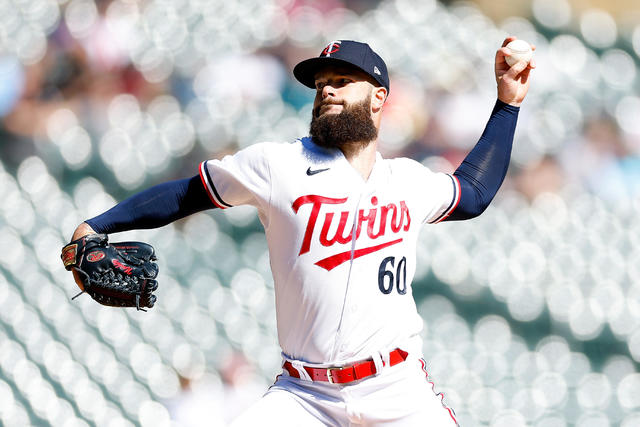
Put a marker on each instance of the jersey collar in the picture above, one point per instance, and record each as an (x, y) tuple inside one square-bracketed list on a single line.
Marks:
[(318, 153)]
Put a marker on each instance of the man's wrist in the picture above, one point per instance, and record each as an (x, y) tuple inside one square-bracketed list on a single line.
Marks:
[(82, 230), (514, 107)]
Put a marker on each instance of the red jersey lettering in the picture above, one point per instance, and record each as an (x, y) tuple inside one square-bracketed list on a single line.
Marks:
[(400, 220)]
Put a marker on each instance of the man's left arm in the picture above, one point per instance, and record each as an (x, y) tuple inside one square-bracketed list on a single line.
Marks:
[(483, 170)]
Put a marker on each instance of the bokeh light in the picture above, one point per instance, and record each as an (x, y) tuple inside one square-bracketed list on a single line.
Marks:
[(598, 28), (552, 13)]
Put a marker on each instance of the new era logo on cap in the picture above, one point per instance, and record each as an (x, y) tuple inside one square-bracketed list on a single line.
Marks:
[(341, 53)]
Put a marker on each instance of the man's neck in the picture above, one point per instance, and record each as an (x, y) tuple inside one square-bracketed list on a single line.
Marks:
[(362, 159)]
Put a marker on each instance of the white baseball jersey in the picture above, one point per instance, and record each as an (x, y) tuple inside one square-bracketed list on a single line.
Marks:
[(342, 249)]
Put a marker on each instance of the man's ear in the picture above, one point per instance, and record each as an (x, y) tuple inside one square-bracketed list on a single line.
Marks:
[(378, 97)]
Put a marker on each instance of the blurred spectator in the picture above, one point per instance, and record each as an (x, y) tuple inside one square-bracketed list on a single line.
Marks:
[(12, 78), (82, 74), (41, 88), (208, 401), (595, 160), (242, 386), (199, 403), (545, 176)]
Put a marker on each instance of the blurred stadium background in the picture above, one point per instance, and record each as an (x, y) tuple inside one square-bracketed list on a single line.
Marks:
[(532, 311)]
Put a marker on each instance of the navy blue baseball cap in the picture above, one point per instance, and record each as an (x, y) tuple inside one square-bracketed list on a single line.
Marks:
[(341, 53)]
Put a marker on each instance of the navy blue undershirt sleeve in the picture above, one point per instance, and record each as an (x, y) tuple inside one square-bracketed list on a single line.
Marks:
[(154, 207), (483, 170)]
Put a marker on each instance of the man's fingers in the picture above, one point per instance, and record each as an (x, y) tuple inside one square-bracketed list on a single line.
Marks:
[(504, 51), (501, 54), (508, 40), (517, 68), (78, 279)]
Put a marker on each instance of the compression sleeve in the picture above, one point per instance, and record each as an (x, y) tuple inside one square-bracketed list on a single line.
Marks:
[(483, 170), (154, 207)]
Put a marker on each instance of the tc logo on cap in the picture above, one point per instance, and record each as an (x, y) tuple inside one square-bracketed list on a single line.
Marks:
[(343, 53), (332, 47)]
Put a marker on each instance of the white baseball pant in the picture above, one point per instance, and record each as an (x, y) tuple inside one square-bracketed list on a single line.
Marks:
[(399, 395)]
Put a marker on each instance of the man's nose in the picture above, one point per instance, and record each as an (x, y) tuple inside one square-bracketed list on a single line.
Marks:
[(328, 90)]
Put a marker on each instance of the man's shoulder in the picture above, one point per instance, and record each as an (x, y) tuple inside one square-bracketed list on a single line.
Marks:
[(404, 164), (278, 146), (405, 168), (303, 149), (270, 150)]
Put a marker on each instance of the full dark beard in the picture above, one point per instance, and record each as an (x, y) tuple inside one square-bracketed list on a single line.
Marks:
[(350, 130)]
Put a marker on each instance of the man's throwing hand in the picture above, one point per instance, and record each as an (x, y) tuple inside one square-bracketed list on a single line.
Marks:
[(513, 82)]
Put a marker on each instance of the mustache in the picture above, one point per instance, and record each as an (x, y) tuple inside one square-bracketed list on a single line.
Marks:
[(316, 111)]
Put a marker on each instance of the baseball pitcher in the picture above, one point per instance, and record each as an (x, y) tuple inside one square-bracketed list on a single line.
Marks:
[(341, 224)]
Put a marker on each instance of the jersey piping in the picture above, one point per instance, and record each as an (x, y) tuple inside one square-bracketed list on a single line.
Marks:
[(211, 189), (454, 201)]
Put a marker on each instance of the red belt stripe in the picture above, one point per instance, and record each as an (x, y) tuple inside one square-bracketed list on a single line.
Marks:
[(346, 374)]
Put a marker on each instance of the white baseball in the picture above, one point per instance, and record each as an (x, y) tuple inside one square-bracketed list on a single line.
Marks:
[(520, 51)]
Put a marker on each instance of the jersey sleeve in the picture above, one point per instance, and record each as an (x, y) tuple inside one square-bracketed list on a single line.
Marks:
[(239, 179), (436, 194)]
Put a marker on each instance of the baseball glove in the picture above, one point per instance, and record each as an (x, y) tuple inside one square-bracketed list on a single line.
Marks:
[(117, 274)]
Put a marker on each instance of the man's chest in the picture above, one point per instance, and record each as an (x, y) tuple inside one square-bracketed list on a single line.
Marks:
[(337, 219)]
